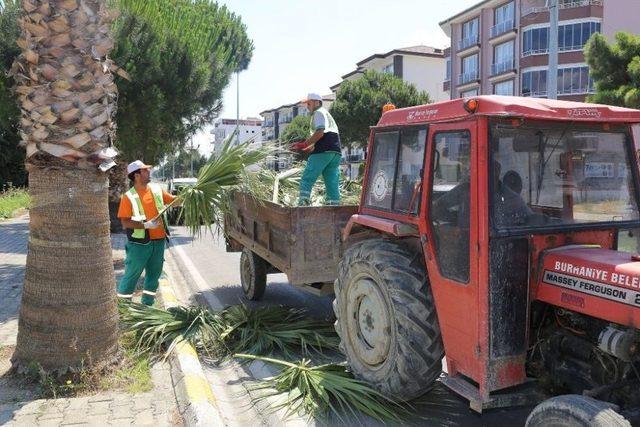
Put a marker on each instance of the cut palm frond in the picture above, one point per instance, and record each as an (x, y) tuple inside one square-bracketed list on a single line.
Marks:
[(263, 331), (271, 329), (159, 330), (318, 391), (208, 200)]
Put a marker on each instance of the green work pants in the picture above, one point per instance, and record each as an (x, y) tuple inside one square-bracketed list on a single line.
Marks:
[(148, 257), (326, 164)]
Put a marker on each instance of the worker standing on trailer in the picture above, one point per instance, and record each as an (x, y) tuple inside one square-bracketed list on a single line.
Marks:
[(324, 146)]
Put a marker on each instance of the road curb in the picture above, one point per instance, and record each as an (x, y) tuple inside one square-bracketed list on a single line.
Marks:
[(196, 400)]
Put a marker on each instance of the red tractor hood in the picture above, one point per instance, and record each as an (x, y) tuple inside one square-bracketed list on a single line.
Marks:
[(599, 282)]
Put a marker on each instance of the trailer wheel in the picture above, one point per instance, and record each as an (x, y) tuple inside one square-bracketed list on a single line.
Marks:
[(573, 410), (253, 275), (386, 318)]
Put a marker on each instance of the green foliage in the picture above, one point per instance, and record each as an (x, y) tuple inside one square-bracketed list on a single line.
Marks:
[(359, 103), (11, 155), (322, 390), (615, 69), (180, 56), (12, 200), (299, 129), (181, 164)]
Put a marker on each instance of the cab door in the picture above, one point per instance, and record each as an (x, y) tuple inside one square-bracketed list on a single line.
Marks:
[(449, 235)]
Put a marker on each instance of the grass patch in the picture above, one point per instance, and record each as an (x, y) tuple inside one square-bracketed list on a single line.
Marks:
[(132, 374), (12, 200)]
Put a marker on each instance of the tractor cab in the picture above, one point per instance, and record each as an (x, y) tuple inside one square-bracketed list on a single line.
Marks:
[(524, 214)]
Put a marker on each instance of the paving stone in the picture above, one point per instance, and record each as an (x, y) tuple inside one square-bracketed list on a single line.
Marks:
[(144, 418), (28, 420), (50, 422), (99, 408)]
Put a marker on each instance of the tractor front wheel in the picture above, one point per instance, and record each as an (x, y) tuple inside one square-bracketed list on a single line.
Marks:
[(253, 275), (573, 410), (386, 318)]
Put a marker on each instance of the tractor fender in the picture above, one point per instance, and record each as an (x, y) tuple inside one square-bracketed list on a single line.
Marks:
[(358, 223)]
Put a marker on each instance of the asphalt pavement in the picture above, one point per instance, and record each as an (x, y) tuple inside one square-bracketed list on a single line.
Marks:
[(214, 279)]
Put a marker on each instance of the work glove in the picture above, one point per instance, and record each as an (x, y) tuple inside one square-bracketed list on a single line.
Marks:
[(150, 224)]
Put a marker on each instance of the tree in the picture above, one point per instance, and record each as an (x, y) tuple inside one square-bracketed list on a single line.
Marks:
[(11, 155), (615, 69), (68, 317), (67, 96), (359, 103), (298, 129)]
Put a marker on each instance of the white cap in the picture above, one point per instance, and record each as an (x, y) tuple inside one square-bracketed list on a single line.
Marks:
[(137, 165), (312, 97)]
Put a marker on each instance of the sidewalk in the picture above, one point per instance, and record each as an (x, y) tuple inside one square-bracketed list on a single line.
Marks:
[(155, 408)]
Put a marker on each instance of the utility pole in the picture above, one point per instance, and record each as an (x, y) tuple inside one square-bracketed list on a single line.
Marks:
[(238, 107), (552, 74), (191, 157)]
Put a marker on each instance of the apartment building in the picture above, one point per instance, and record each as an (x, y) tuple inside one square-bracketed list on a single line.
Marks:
[(502, 46), (248, 129), (423, 66), (277, 119)]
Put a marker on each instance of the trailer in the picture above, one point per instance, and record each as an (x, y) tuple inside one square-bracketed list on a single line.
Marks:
[(302, 242)]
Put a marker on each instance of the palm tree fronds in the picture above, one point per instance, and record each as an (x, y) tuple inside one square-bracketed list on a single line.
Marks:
[(321, 390)]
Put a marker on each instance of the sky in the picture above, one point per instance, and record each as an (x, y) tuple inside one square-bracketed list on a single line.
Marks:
[(303, 46)]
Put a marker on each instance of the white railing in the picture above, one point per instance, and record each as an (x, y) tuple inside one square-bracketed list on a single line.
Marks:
[(467, 77), (579, 3), (536, 94), (576, 91), (467, 42), (566, 5), (502, 67), (502, 27), (535, 52)]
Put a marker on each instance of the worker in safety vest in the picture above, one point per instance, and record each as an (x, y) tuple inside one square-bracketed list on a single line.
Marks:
[(324, 146), (146, 235)]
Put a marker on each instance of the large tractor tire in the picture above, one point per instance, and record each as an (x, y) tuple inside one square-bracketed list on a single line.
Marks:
[(386, 318), (573, 410), (253, 275)]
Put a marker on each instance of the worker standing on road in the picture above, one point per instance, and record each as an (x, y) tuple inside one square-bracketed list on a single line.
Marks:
[(145, 236), (324, 146)]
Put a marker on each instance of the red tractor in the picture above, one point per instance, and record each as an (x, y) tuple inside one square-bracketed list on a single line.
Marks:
[(501, 233)]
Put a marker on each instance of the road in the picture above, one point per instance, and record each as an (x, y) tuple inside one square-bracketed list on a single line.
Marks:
[(213, 278)]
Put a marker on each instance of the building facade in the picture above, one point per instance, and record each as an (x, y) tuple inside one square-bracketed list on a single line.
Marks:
[(502, 46), (422, 66), (249, 129)]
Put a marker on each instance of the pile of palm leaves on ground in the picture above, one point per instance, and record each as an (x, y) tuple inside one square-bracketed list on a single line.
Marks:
[(255, 334), (263, 331)]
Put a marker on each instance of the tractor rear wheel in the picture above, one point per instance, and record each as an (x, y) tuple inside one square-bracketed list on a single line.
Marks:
[(386, 318), (573, 410), (253, 275)]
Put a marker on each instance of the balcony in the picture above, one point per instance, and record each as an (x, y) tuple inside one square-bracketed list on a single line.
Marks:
[(469, 77), (502, 28), (468, 42), (502, 67)]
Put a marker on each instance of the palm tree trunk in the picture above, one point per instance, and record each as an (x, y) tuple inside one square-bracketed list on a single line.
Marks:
[(68, 316)]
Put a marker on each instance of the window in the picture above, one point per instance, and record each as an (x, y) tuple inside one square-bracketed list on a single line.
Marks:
[(447, 76), (469, 69), (503, 19), (502, 58), (468, 93), (534, 83), (535, 41), (394, 174), (548, 174), (388, 69), (451, 202), (469, 34), (575, 36), (503, 88), (575, 80)]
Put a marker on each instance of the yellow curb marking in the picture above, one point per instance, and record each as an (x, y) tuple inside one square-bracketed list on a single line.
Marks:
[(186, 349), (198, 389), (167, 292)]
